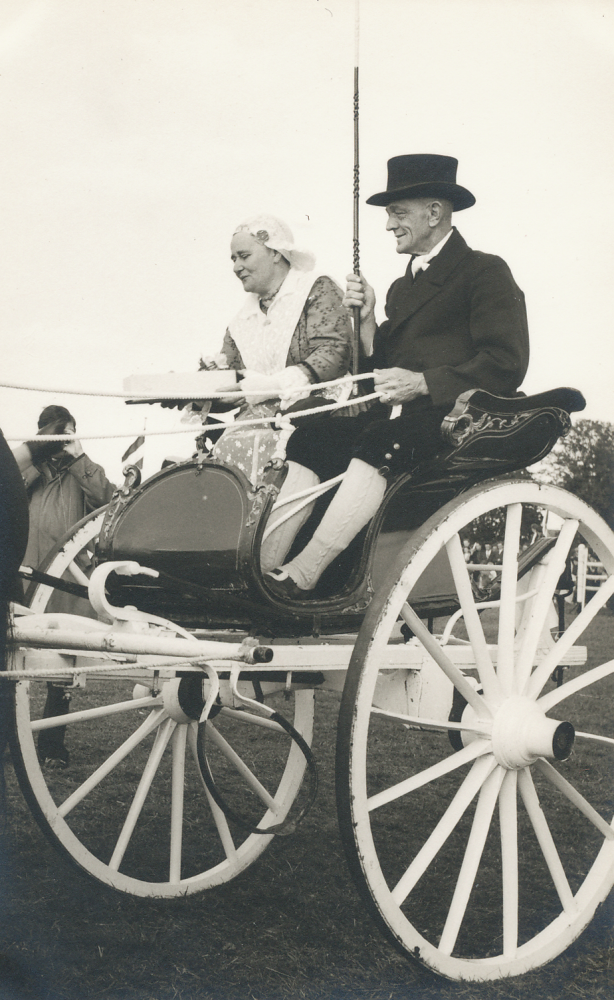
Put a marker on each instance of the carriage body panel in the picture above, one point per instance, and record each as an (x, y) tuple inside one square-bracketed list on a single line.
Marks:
[(187, 521)]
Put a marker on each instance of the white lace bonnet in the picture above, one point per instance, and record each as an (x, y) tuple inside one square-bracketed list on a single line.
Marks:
[(276, 235)]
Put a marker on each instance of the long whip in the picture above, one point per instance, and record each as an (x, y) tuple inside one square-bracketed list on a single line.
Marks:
[(356, 242)]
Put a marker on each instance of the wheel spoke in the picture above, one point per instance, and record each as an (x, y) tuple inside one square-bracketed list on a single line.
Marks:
[(543, 673), (218, 816), (465, 794), (251, 719), (240, 765), (149, 772), (449, 668), (147, 727), (539, 608), (574, 796), (486, 671), (553, 698), (78, 575), (475, 749), (438, 725), (177, 796), (546, 843), (482, 819), (95, 713), (507, 613), (508, 823), (595, 737)]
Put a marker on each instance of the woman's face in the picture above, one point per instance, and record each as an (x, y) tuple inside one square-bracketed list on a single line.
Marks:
[(254, 264)]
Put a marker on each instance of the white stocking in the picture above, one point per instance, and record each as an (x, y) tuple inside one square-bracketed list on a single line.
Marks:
[(354, 504), (276, 546)]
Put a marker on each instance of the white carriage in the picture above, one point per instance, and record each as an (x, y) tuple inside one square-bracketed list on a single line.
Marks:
[(462, 795)]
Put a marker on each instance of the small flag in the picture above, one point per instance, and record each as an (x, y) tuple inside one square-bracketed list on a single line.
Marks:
[(136, 446)]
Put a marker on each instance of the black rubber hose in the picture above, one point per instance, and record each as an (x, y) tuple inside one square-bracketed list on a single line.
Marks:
[(287, 826)]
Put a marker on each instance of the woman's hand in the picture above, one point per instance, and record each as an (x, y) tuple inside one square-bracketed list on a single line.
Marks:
[(267, 385), (213, 362)]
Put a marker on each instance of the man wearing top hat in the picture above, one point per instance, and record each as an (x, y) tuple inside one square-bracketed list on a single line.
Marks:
[(455, 321)]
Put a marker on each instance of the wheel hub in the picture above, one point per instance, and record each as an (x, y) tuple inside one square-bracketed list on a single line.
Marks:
[(184, 698), (521, 733)]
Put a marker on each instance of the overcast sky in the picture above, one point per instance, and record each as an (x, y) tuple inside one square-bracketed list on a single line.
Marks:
[(138, 133)]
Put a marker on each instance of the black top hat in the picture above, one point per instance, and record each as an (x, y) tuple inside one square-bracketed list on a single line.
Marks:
[(422, 175)]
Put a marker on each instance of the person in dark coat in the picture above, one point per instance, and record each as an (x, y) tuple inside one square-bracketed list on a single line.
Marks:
[(455, 321), (63, 485)]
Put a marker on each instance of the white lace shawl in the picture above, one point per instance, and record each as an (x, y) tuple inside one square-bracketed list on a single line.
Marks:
[(263, 339)]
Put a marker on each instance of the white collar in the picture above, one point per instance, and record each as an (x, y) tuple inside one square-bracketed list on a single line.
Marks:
[(421, 261)]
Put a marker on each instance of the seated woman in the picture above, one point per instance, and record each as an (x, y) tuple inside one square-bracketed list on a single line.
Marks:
[(292, 332)]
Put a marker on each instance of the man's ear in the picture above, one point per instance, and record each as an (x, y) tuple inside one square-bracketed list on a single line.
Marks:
[(435, 213)]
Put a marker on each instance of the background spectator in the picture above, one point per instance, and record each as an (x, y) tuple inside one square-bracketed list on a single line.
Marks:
[(63, 485)]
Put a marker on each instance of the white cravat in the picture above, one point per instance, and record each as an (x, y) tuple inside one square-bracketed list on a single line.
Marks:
[(422, 261)]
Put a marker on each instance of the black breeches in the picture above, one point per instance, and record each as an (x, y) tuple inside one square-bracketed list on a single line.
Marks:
[(327, 446)]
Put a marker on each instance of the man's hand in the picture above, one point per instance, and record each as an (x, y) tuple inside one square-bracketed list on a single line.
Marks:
[(73, 448), (359, 294), (42, 451), (399, 385)]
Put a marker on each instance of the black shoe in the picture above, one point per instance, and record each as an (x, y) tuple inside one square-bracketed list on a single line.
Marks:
[(284, 587)]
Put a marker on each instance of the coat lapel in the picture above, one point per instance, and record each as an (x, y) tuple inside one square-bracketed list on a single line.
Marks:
[(409, 296)]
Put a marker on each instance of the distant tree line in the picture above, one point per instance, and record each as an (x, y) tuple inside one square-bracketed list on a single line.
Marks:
[(583, 463)]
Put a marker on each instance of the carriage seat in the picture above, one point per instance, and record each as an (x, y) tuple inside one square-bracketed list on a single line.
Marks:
[(486, 436), (519, 425)]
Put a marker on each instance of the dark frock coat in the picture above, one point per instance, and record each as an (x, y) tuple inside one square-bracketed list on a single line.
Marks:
[(463, 324)]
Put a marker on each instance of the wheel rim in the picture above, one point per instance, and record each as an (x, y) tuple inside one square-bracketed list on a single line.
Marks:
[(69, 559), (443, 843), (149, 826)]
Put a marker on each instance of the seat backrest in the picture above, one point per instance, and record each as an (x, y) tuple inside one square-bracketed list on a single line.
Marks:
[(187, 521)]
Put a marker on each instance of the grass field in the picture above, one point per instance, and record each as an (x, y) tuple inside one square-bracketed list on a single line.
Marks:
[(292, 926)]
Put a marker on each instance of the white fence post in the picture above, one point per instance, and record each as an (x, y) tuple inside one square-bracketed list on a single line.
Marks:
[(589, 575), (581, 575)]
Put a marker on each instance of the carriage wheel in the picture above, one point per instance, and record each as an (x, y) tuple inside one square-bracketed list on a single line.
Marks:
[(131, 809), (484, 846)]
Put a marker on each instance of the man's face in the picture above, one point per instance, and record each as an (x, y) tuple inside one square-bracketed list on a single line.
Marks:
[(408, 219)]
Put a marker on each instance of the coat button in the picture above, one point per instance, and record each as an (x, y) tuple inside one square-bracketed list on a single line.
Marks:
[(396, 446), (387, 456)]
